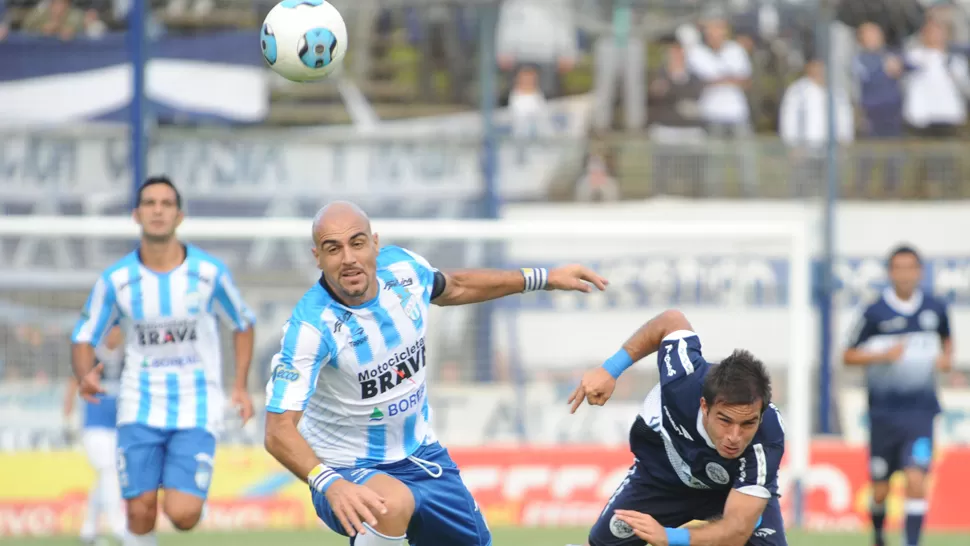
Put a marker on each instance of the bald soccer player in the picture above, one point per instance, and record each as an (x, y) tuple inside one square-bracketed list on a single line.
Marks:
[(347, 405)]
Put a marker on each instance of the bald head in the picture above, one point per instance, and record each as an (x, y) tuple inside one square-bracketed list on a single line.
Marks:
[(335, 216)]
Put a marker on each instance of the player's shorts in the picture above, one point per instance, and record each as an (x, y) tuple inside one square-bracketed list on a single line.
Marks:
[(445, 514), (100, 445), (900, 442), (151, 458), (673, 508)]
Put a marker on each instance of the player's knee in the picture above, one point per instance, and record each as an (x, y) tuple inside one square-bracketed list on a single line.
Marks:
[(915, 483), (183, 518), (142, 512), (880, 492)]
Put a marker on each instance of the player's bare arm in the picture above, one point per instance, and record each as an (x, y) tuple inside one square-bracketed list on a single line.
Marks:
[(243, 342), (856, 356), (945, 362), (353, 504), (741, 513), (464, 287), (597, 384)]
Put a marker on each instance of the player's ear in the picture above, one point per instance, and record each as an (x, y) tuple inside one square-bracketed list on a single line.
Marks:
[(179, 217), (377, 240), (704, 407)]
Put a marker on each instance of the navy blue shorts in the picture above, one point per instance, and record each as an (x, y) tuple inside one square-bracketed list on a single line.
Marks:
[(900, 442), (673, 507), (445, 514), (149, 458)]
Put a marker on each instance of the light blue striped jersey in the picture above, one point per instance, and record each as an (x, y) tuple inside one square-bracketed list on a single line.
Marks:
[(172, 377), (358, 373)]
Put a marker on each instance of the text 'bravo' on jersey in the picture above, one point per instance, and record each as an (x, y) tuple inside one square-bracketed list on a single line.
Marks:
[(675, 448), (172, 377), (358, 373), (922, 325)]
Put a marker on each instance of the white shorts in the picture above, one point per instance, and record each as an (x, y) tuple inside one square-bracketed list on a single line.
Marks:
[(101, 447)]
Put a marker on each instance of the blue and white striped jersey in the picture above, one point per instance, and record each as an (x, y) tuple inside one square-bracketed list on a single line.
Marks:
[(358, 373), (172, 377)]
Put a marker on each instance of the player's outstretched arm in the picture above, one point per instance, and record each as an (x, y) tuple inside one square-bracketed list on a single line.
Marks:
[(477, 285), (597, 384), (741, 514)]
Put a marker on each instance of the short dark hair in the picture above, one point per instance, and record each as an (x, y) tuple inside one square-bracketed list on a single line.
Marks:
[(902, 250), (164, 180), (738, 379)]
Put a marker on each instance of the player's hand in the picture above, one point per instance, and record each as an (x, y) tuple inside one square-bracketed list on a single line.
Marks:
[(574, 277), (895, 352), (596, 387), (355, 504), (944, 363), (644, 526), (244, 403), (89, 387)]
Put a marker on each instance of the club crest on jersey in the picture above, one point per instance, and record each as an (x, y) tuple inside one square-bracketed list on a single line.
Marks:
[(717, 473), (193, 302), (620, 528), (408, 303), (928, 320)]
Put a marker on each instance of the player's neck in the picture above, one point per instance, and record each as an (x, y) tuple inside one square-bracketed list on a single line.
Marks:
[(162, 256), (904, 296)]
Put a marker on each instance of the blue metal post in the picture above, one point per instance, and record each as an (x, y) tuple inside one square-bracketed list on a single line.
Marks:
[(831, 196), (138, 48), (488, 90)]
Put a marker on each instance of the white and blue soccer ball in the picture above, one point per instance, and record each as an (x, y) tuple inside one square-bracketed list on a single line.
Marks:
[(303, 40)]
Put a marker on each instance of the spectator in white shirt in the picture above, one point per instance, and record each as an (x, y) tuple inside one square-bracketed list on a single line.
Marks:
[(803, 124), (725, 68), (527, 105), (934, 102), (538, 32)]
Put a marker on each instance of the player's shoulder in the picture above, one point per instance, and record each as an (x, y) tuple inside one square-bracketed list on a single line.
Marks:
[(204, 259), (311, 307), (111, 275), (772, 429), (391, 256), (875, 305), (933, 302)]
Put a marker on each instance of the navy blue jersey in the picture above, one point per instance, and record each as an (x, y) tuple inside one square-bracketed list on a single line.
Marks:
[(683, 454), (909, 384)]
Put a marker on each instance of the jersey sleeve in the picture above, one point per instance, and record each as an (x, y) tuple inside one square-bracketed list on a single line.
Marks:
[(229, 303), (296, 367), (758, 473), (426, 272), (100, 313), (864, 329), (679, 356), (944, 324)]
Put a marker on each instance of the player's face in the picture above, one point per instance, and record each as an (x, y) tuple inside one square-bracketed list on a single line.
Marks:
[(905, 272), (347, 255), (158, 213), (731, 427)]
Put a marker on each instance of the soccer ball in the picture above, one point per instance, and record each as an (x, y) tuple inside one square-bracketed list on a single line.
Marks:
[(303, 40)]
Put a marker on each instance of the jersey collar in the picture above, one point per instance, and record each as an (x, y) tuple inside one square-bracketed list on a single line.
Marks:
[(903, 307), (703, 431)]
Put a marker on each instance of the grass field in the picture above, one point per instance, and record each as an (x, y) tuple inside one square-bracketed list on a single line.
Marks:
[(502, 537)]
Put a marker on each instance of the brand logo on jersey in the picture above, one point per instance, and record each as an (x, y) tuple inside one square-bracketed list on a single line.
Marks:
[(393, 372), (285, 373), (670, 369), (394, 283), (376, 415), (717, 473), (742, 473), (764, 532), (677, 428), (168, 333), (619, 528), (892, 325), (170, 362), (928, 320), (405, 404)]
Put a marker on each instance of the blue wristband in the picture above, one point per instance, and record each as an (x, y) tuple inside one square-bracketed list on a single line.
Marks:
[(678, 537), (618, 363)]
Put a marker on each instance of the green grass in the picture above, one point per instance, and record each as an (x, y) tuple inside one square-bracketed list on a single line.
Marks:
[(502, 537)]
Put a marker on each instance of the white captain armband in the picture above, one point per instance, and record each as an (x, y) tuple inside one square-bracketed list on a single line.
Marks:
[(322, 477), (535, 278)]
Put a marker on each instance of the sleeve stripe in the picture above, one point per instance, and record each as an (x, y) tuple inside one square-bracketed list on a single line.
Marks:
[(684, 357), (762, 463)]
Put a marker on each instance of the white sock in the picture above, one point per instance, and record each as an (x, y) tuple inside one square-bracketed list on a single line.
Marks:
[(111, 505), (131, 539), (89, 529), (373, 538)]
